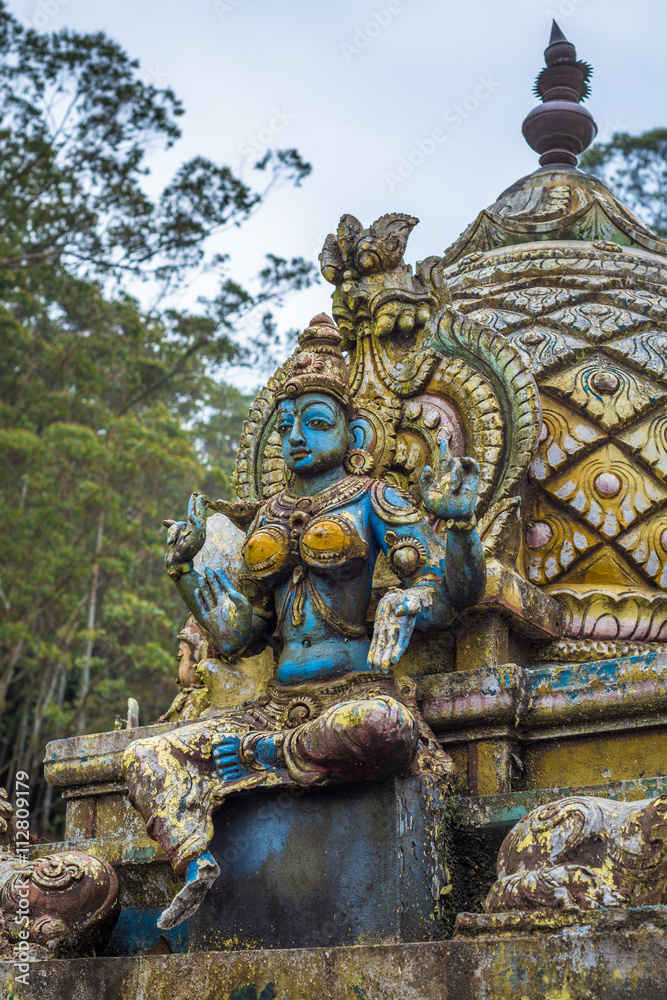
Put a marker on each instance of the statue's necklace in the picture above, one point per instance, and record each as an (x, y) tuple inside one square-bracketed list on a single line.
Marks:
[(285, 506)]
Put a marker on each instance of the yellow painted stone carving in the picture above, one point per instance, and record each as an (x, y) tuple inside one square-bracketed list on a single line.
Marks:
[(584, 852)]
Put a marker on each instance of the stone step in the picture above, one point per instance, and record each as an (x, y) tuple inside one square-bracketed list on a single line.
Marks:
[(570, 963)]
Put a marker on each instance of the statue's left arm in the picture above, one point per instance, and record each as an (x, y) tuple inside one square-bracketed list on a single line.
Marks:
[(221, 609), (450, 493), (440, 576)]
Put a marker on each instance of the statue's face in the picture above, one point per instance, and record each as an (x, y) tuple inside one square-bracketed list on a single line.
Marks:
[(313, 432)]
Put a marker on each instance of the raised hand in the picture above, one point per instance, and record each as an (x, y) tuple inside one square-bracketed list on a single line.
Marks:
[(451, 490), (186, 538), (394, 624), (223, 611)]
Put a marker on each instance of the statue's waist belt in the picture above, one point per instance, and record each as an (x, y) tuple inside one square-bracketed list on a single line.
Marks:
[(288, 707)]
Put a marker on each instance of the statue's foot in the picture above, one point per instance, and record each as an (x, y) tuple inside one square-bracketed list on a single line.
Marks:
[(202, 873), (238, 756)]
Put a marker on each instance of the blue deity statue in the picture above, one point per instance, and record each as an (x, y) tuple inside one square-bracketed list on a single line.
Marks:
[(333, 712)]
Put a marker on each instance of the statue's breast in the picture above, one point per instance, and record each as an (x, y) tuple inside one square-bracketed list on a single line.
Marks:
[(267, 554), (332, 543)]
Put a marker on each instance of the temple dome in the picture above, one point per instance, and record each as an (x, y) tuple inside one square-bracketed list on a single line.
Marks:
[(559, 204), (558, 201), (565, 272)]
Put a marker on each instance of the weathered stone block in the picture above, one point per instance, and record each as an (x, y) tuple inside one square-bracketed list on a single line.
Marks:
[(622, 964), (348, 865)]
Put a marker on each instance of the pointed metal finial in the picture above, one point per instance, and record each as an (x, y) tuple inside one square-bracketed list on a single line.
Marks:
[(559, 50), (556, 33), (561, 129)]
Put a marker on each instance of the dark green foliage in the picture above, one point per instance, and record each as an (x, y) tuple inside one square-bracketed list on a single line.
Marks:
[(109, 415), (635, 168)]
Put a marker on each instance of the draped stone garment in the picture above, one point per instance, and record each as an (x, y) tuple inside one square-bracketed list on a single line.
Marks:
[(360, 727)]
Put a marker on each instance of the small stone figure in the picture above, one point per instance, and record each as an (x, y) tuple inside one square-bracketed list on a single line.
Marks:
[(193, 698), (209, 684), (60, 905), (584, 852), (333, 711)]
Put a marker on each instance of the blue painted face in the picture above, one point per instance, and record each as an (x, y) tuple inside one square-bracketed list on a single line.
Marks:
[(313, 432)]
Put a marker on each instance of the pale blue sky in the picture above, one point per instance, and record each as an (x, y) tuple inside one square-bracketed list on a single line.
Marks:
[(357, 85)]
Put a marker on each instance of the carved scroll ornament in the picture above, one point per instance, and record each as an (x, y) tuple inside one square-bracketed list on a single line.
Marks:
[(585, 853)]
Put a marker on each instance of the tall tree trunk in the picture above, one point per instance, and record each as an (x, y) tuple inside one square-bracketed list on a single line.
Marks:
[(48, 792), (8, 673), (84, 685), (19, 751)]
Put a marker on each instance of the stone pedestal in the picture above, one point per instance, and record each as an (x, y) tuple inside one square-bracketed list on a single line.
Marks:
[(623, 964), (332, 866)]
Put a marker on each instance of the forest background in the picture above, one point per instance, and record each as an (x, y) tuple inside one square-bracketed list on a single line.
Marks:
[(112, 411)]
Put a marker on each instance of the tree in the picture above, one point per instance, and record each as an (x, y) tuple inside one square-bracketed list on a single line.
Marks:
[(635, 168), (109, 412)]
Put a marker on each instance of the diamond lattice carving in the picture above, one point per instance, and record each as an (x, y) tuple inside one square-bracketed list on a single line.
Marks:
[(565, 434), (646, 544), (608, 393), (608, 490), (554, 542), (648, 442)]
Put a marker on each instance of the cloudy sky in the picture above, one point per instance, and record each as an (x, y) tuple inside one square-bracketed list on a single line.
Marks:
[(361, 88)]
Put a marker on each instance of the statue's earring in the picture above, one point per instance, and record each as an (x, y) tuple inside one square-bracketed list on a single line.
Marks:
[(358, 462)]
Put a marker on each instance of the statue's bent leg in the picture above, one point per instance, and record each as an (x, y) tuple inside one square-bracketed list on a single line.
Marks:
[(173, 783), (352, 741)]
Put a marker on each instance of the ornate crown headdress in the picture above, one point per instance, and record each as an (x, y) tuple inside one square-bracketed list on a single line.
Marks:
[(318, 365)]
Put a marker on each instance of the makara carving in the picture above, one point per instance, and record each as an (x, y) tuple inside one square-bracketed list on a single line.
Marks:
[(58, 905), (586, 853)]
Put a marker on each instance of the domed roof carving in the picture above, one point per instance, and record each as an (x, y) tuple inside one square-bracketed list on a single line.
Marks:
[(561, 204)]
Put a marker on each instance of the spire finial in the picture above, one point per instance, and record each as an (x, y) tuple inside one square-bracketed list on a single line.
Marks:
[(561, 129), (556, 34)]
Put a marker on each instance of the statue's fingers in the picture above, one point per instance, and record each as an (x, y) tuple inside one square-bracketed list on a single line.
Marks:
[(215, 588), (379, 635), (403, 639), (470, 466), (226, 586), (200, 598), (444, 456), (396, 652), (167, 523), (373, 658), (392, 638), (426, 478), (372, 651), (457, 475), (379, 642), (192, 504), (201, 504)]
